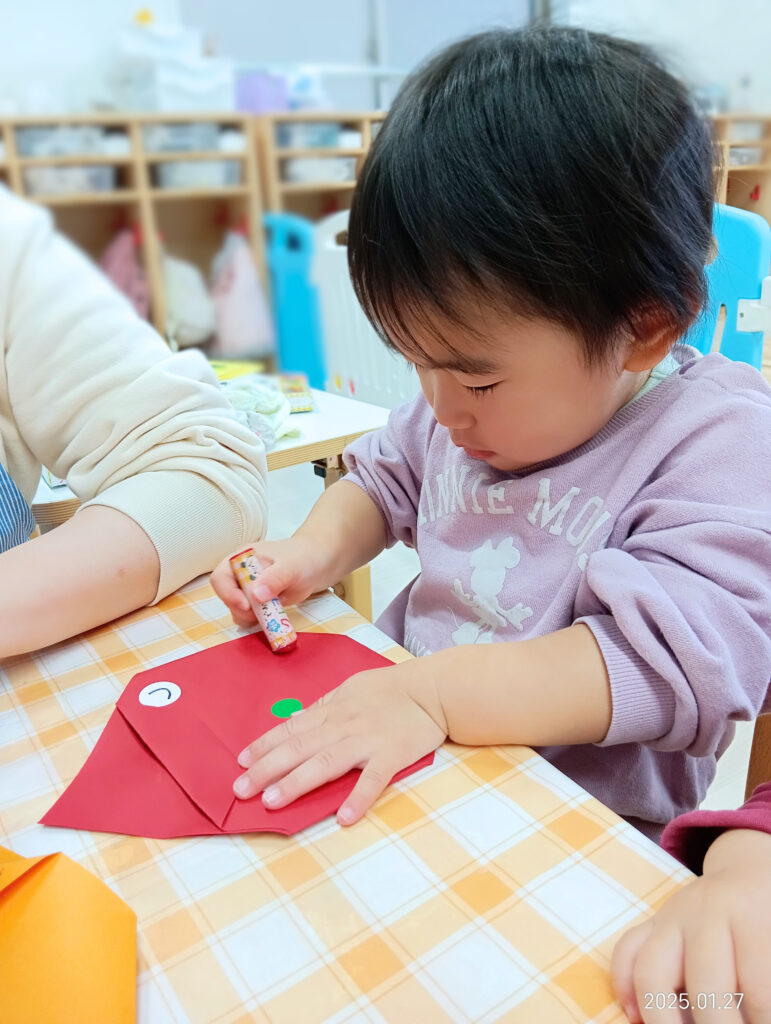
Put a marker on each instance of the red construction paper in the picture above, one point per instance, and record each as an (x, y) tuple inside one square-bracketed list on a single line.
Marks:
[(169, 771)]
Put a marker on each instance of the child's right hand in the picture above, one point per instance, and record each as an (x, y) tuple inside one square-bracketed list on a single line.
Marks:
[(294, 569)]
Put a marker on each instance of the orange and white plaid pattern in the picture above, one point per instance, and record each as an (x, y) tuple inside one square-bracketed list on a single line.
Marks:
[(488, 887)]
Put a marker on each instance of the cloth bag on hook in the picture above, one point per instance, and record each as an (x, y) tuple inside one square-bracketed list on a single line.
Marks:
[(244, 324), (190, 314), (120, 262)]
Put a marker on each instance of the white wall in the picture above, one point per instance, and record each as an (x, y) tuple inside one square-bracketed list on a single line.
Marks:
[(412, 29), (704, 40), (338, 32), (288, 32), (55, 55)]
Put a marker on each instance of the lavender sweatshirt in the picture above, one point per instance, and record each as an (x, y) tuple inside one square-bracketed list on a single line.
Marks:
[(656, 533)]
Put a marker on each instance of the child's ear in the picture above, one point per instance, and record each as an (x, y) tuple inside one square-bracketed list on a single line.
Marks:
[(653, 339)]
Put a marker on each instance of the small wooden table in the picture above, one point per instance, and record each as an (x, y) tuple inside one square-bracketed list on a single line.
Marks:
[(335, 422)]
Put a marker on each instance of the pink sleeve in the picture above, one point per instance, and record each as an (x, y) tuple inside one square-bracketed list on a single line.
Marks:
[(689, 837)]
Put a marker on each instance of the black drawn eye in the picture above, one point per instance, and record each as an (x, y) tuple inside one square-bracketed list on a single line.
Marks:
[(160, 694)]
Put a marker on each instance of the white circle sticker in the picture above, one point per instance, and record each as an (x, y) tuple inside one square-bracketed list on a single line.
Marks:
[(159, 695)]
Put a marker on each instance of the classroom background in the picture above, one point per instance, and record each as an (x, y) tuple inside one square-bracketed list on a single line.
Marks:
[(205, 155)]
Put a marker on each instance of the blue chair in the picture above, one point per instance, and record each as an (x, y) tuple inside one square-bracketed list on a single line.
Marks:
[(743, 260)]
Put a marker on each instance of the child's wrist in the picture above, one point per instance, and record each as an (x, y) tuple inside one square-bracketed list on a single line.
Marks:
[(738, 847), (421, 681), (322, 557)]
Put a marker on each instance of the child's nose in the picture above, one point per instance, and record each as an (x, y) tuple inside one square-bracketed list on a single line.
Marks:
[(449, 402)]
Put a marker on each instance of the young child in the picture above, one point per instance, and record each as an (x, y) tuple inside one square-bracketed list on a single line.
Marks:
[(589, 498), (708, 947)]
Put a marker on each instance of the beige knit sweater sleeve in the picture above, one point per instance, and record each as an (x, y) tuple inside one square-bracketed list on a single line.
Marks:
[(91, 391)]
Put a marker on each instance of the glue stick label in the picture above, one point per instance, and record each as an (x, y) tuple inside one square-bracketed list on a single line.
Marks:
[(270, 614)]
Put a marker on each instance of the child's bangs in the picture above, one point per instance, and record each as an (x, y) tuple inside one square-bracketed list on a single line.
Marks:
[(415, 321)]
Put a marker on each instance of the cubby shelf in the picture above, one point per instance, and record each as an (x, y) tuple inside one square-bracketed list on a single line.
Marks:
[(189, 222), (311, 199)]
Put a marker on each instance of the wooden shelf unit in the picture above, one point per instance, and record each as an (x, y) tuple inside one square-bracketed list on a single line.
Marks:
[(312, 199), (189, 222), (745, 137)]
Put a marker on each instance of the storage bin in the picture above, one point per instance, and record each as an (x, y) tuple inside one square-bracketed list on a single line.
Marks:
[(308, 134), (740, 155), (231, 140), (178, 138), (295, 299), (60, 180), (319, 168), (259, 92), (115, 144), (198, 173), (59, 140)]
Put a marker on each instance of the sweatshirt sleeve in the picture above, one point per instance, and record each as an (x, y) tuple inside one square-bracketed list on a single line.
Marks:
[(388, 464), (690, 836), (98, 398), (681, 607)]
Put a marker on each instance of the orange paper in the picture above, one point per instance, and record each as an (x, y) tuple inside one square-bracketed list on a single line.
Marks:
[(67, 945)]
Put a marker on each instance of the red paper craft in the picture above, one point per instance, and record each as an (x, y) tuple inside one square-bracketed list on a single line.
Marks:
[(165, 763)]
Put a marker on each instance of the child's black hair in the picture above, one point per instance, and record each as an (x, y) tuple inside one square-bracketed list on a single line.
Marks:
[(551, 172)]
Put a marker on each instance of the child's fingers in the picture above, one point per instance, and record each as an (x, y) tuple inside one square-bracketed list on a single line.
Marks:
[(281, 734), (274, 580), (710, 969), (375, 777), (330, 762), (622, 968), (751, 959), (659, 972), (225, 586), (245, 620), (276, 766)]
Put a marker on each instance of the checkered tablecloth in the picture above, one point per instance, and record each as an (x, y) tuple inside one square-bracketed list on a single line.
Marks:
[(486, 888)]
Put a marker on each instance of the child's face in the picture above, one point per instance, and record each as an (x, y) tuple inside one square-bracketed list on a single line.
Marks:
[(535, 399)]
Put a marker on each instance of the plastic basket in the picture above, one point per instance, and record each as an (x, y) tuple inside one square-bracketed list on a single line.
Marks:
[(358, 363)]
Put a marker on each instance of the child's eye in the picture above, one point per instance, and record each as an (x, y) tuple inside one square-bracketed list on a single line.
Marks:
[(485, 389)]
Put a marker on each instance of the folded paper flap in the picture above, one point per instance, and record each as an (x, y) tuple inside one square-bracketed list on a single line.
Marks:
[(123, 781), (13, 866), (176, 734)]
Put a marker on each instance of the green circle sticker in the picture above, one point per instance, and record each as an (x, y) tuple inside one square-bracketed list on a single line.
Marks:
[(286, 707)]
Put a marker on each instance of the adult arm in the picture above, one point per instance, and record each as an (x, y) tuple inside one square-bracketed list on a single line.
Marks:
[(136, 430)]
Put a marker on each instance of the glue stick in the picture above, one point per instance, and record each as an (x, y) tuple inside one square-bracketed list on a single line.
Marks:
[(271, 616)]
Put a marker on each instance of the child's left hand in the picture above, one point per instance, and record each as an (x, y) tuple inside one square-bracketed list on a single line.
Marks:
[(380, 721), (707, 949)]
